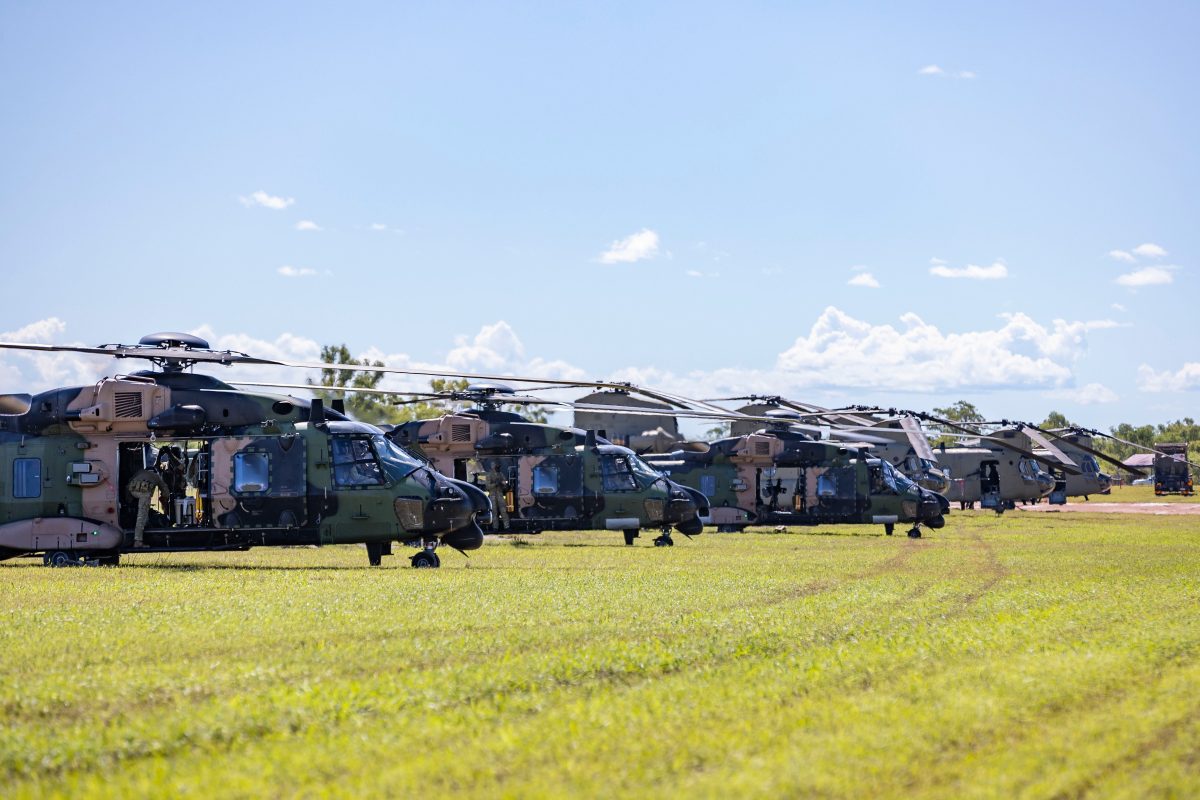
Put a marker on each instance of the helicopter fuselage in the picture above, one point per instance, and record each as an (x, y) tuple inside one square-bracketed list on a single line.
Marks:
[(250, 470), (552, 478), (782, 478)]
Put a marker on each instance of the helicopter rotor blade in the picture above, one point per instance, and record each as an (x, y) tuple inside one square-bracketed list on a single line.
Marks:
[(1094, 452), (1053, 449), (1050, 462)]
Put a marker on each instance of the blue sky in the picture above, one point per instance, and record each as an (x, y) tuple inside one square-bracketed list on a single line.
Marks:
[(712, 198)]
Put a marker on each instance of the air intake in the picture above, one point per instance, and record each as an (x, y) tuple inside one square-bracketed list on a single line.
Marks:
[(128, 405)]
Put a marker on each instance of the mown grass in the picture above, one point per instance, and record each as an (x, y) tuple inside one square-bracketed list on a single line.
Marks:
[(1001, 656)]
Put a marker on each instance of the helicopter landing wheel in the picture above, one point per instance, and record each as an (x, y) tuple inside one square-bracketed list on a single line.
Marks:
[(59, 558), (426, 559), (915, 533), (374, 553), (630, 536), (664, 541), (889, 528)]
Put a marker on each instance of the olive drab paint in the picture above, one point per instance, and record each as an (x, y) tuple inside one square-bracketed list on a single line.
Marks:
[(555, 478), (259, 470), (776, 476)]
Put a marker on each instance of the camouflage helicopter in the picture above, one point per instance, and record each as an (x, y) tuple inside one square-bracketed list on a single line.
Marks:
[(778, 475), (244, 469), (895, 436), (547, 477)]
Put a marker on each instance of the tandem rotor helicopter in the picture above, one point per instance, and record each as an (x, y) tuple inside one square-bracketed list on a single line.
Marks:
[(234, 469)]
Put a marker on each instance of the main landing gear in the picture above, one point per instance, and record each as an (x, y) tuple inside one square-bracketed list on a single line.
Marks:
[(665, 539)]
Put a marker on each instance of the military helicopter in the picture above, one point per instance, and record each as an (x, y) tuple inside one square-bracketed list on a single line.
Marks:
[(1001, 468), (895, 436), (1172, 470), (548, 477), (544, 477), (778, 475), (255, 469), (1076, 445)]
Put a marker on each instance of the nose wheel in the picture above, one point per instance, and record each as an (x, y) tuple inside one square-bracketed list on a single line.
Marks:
[(428, 557), (664, 540), (914, 532)]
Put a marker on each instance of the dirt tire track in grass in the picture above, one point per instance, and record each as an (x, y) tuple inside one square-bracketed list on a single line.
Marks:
[(888, 566), (991, 570)]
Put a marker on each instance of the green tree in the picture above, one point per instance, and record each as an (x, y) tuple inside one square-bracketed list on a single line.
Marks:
[(1055, 420), (362, 405), (962, 413)]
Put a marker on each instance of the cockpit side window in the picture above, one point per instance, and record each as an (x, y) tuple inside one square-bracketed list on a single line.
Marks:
[(354, 462), (617, 474)]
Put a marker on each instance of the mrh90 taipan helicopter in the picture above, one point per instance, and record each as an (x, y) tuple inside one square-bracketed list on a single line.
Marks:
[(541, 476), (250, 469), (779, 475), (895, 436)]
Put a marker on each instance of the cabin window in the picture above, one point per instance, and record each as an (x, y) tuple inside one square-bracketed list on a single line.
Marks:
[(617, 474), (251, 472), (545, 479), (27, 477), (708, 485), (354, 462)]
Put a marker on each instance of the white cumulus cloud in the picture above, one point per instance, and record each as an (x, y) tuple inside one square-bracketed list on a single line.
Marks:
[(931, 69), (1147, 276), (1122, 255), (296, 272), (843, 351), (1149, 250), (864, 279), (635, 247), (996, 271), (1186, 378), (261, 198), (307, 225)]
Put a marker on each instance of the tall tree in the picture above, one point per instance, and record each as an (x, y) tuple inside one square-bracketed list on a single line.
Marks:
[(1055, 420), (962, 413)]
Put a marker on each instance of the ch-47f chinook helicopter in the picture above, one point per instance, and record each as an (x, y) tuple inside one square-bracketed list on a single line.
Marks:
[(1075, 444), (779, 475), (1000, 468), (253, 469)]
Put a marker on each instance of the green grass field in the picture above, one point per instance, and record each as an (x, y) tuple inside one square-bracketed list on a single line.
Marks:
[(1024, 655)]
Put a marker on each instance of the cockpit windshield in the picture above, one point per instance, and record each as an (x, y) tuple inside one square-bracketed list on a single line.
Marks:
[(1090, 465), (1029, 469), (897, 479), (645, 473), (397, 462)]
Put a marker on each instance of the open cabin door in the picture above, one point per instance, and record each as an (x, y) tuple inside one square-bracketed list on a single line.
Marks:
[(260, 481)]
